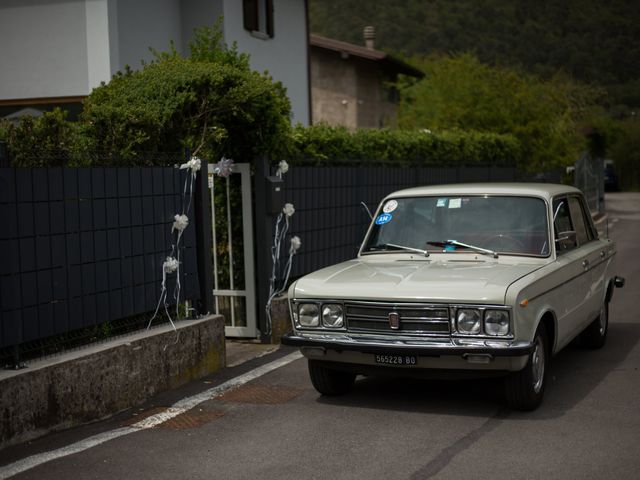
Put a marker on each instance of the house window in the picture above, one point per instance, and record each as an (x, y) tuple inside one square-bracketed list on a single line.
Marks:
[(258, 17)]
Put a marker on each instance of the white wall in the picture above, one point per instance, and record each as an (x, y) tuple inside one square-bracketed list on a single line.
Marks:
[(43, 49), (197, 13), (146, 23), (284, 55), (98, 27)]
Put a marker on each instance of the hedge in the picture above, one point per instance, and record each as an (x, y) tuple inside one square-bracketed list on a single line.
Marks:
[(327, 145)]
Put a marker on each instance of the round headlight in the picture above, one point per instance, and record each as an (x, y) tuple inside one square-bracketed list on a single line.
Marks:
[(496, 322), (468, 321), (308, 315), (332, 316)]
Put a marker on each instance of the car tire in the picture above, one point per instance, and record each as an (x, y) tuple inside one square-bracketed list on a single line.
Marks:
[(328, 381), (595, 335), (524, 389)]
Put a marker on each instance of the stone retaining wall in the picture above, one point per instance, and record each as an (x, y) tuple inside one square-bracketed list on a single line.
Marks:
[(96, 382)]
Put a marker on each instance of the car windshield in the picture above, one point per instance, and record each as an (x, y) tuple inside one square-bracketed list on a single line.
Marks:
[(483, 224)]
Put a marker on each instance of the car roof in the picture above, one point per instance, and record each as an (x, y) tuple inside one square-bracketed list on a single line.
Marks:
[(543, 190)]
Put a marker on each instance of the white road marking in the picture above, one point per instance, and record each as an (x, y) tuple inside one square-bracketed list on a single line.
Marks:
[(176, 409)]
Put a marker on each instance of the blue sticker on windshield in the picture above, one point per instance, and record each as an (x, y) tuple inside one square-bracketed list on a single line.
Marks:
[(449, 248), (383, 218)]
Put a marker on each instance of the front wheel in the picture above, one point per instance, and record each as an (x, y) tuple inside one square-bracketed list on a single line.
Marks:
[(328, 381), (525, 389)]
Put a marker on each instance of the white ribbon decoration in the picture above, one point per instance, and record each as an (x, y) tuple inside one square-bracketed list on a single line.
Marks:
[(288, 209), (295, 243), (180, 222), (283, 167), (194, 165), (223, 167), (170, 265)]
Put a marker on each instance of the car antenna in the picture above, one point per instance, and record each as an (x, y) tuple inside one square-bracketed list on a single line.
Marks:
[(367, 209)]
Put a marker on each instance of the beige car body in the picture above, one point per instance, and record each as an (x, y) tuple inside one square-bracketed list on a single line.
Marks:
[(564, 290)]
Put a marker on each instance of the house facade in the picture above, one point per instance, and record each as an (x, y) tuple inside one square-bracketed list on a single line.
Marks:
[(55, 52), (352, 85)]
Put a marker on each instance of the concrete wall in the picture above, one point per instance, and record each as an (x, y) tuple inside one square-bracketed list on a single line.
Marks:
[(349, 91), (99, 381), (334, 90)]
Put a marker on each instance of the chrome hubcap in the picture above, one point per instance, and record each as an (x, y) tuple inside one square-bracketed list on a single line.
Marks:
[(537, 364)]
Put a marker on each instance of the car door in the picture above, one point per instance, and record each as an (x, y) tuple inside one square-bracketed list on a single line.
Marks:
[(594, 257), (571, 297)]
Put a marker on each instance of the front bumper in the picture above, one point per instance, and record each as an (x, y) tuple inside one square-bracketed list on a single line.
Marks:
[(428, 347), (434, 352)]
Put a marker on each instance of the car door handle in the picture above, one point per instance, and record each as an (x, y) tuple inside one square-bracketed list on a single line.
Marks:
[(585, 263), (602, 254)]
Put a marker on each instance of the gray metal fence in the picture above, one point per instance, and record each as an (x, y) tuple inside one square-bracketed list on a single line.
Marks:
[(80, 246), (589, 177)]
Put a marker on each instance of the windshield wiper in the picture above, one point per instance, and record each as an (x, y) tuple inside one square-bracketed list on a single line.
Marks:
[(484, 251), (402, 247)]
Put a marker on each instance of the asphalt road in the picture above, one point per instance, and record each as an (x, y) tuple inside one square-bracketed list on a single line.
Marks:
[(277, 426)]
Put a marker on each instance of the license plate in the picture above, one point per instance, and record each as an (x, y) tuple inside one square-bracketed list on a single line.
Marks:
[(396, 359)]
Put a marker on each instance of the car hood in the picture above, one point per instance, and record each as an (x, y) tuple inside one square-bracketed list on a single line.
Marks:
[(420, 280)]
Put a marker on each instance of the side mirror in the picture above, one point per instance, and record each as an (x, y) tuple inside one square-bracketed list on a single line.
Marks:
[(566, 239)]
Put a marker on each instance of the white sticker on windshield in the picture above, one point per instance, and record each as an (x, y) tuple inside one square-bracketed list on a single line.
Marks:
[(390, 206), (442, 202), (455, 203)]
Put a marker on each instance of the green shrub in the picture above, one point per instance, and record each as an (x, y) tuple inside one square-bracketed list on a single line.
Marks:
[(173, 104), (46, 141)]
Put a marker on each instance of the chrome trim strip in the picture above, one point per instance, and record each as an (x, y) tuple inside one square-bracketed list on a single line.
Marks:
[(413, 319)]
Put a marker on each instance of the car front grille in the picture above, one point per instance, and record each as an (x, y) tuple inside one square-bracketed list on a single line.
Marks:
[(413, 319)]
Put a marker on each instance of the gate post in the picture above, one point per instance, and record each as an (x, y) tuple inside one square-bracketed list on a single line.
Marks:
[(203, 239), (264, 238)]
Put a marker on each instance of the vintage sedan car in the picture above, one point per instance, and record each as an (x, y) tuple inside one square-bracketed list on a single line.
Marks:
[(470, 278)]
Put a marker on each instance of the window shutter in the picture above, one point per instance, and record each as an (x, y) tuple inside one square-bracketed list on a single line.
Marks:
[(269, 10), (250, 14)]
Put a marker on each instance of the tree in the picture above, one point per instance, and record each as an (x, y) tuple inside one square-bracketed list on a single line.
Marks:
[(460, 92), (625, 153), (591, 40)]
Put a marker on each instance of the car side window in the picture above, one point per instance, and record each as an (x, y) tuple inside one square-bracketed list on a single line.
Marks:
[(583, 233), (564, 233)]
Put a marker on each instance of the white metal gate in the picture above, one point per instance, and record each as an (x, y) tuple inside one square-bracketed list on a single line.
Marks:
[(232, 253)]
